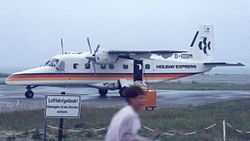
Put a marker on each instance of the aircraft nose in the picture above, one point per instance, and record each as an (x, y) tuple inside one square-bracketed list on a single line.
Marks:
[(10, 80)]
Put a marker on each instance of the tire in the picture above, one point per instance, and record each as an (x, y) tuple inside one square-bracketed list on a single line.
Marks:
[(29, 94), (121, 91), (103, 92)]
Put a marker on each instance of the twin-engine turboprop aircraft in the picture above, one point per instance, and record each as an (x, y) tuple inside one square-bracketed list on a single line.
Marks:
[(114, 69)]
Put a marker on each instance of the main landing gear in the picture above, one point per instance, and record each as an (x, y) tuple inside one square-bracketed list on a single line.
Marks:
[(121, 91), (29, 93), (103, 92)]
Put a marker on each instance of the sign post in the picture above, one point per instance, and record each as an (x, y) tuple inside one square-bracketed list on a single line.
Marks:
[(62, 106), (45, 129), (60, 129)]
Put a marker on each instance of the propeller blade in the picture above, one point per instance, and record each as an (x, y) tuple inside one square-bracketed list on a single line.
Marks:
[(90, 49), (89, 61), (94, 67), (96, 50), (62, 46)]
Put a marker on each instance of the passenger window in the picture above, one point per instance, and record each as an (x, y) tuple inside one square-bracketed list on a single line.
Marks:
[(103, 66), (87, 66), (147, 66), (111, 66), (75, 65), (125, 66)]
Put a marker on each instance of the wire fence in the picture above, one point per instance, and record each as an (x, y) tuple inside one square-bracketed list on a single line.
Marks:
[(39, 131)]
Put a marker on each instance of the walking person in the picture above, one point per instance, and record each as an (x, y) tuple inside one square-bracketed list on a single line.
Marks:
[(125, 124)]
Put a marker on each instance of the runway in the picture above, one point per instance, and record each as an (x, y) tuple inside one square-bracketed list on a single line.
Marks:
[(12, 97)]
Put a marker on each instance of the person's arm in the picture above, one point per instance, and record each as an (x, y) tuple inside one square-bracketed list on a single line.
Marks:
[(117, 131), (131, 136)]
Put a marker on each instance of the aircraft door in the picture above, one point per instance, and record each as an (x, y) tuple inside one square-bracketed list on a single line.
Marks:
[(138, 70)]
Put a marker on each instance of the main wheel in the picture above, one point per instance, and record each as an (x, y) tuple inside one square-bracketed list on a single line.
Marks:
[(29, 94), (103, 92), (121, 91)]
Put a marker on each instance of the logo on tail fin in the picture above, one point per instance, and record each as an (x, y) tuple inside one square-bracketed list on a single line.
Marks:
[(204, 45)]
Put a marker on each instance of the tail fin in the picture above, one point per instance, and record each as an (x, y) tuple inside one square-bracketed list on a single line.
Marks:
[(202, 44)]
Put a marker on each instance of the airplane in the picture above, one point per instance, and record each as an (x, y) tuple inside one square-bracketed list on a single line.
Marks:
[(116, 69)]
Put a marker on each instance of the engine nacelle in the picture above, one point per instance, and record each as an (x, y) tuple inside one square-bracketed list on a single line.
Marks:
[(105, 58)]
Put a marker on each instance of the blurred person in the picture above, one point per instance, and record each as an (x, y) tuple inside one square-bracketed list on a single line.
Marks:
[(125, 124)]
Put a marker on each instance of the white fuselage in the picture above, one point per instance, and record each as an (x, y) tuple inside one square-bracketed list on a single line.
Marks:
[(76, 69)]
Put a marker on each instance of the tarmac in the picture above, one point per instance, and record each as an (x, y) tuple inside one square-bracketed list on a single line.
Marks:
[(12, 97)]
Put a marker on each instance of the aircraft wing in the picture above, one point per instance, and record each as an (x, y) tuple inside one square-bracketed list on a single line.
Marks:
[(108, 85), (215, 64), (142, 54)]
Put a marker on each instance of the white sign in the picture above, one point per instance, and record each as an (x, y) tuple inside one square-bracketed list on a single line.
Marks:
[(59, 106)]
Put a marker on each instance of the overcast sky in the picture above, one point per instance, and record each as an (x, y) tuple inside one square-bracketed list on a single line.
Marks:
[(30, 30)]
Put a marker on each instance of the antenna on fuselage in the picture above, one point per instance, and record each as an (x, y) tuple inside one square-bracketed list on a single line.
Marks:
[(62, 46)]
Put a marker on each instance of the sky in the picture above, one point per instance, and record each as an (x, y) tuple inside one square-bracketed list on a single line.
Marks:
[(30, 30)]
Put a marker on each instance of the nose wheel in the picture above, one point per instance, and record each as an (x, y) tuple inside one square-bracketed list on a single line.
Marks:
[(29, 93)]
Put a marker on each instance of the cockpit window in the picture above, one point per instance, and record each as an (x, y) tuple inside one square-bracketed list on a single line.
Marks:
[(47, 63), (52, 62)]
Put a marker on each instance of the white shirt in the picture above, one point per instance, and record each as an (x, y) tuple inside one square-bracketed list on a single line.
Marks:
[(124, 126)]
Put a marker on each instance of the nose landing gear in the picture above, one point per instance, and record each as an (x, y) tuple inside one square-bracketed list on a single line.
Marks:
[(29, 93)]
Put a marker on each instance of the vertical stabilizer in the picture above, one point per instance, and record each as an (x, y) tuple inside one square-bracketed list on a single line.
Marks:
[(202, 44)]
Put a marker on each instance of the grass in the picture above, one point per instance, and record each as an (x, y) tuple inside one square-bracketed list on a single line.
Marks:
[(199, 86), (187, 119)]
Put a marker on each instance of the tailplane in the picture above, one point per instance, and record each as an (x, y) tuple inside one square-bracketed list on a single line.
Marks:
[(222, 64), (202, 47)]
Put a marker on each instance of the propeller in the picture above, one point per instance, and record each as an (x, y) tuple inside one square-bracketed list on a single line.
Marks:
[(62, 46), (92, 58)]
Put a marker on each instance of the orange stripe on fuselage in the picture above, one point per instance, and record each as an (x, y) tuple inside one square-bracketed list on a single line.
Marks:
[(34, 77)]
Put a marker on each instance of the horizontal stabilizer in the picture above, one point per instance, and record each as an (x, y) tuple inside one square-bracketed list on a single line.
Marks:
[(215, 64)]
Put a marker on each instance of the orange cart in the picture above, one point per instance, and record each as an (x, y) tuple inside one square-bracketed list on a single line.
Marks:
[(150, 99)]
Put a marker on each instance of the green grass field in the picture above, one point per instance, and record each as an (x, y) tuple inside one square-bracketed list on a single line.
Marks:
[(199, 86), (236, 112)]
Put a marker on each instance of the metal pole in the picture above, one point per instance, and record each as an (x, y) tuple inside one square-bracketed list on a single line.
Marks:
[(224, 130), (60, 129), (45, 129)]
